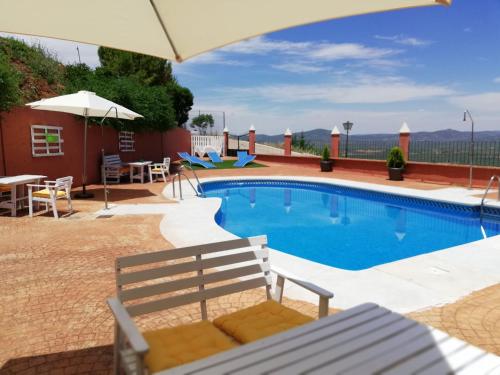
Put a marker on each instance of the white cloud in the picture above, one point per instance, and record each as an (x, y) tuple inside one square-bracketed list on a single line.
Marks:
[(348, 51), (488, 102), (363, 90), (496, 80), (311, 56), (65, 51), (262, 45), (300, 67), (215, 57), (405, 40)]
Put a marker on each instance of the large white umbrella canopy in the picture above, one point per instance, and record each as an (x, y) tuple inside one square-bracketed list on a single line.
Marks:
[(87, 104), (177, 29), (84, 103)]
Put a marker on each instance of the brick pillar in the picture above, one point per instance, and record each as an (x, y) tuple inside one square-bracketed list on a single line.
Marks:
[(287, 145), (404, 140), (226, 141), (251, 140), (335, 147)]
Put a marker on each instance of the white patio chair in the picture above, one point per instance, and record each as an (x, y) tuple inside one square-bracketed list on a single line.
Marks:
[(200, 150), (160, 169), (49, 193)]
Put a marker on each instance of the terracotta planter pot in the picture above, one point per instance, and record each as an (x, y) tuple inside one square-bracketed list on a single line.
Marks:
[(326, 165), (396, 174)]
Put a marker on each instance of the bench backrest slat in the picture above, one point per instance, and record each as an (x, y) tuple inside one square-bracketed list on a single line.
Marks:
[(112, 160), (191, 282), (196, 265), (190, 251), (200, 266), (199, 296)]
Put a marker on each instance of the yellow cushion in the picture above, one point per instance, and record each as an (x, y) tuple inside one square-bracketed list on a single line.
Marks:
[(259, 321), (44, 193), (170, 347), (156, 170), (124, 170), (4, 188)]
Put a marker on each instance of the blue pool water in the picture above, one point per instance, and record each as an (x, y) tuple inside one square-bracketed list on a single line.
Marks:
[(344, 227)]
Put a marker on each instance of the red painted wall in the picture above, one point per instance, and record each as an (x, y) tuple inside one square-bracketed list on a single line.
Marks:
[(176, 140), (16, 145), (428, 172)]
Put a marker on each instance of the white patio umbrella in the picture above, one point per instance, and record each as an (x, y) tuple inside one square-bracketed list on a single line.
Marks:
[(177, 29), (87, 104)]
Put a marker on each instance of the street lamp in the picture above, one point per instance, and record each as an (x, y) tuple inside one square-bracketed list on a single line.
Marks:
[(471, 148), (347, 127)]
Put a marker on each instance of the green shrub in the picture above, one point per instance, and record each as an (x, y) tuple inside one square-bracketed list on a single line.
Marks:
[(40, 60), (152, 102), (325, 154), (395, 158), (10, 94)]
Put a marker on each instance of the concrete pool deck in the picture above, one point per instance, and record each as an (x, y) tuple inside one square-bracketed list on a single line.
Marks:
[(411, 284), (58, 273)]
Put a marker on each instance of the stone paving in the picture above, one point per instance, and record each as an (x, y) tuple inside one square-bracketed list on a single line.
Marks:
[(57, 274)]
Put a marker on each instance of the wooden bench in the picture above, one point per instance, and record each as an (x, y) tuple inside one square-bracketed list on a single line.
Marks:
[(209, 271), (113, 168)]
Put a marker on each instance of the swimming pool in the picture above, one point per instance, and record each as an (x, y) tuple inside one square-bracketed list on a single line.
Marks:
[(344, 227)]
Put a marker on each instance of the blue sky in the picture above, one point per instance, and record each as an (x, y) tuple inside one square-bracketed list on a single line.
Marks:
[(423, 66)]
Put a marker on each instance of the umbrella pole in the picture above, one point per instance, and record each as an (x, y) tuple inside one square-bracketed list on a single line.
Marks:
[(83, 194)]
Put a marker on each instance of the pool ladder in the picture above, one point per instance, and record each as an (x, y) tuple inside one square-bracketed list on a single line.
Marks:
[(179, 176), (490, 184)]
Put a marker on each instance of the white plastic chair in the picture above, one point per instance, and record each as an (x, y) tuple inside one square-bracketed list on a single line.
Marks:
[(200, 150), (49, 193), (160, 169)]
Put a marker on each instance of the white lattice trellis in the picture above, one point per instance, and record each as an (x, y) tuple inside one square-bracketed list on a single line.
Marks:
[(46, 140), (126, 141)]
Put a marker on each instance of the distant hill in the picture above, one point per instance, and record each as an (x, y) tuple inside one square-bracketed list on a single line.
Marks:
[(323, 136)]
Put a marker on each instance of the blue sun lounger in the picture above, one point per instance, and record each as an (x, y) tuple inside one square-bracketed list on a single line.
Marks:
[(214, 157), (194, 160), (243, 159)]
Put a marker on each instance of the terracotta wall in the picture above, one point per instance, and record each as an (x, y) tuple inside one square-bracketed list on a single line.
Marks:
[(15, 146), (429, 172), (176, 140)]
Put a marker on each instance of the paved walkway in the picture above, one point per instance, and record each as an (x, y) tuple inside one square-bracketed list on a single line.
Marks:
[(57, 274)]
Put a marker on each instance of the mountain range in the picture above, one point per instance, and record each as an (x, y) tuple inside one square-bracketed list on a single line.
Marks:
[(447, 135)]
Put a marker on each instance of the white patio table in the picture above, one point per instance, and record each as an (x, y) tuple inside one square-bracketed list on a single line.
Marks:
[(137, 170), (14, 182), (366, 339)]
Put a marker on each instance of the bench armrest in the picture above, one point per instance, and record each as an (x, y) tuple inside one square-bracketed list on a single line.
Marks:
[(324, 295), (127, 326)]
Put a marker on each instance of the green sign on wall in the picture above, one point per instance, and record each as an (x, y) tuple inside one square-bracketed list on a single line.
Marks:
[(51, 138)]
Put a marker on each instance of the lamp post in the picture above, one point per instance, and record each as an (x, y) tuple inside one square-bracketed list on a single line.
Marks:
[(471, 148), (347, 127)]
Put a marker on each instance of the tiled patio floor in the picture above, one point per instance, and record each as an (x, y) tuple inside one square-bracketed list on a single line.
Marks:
[(56, 276)]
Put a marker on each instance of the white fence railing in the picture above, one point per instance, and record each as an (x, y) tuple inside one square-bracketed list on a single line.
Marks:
[(200, 144)]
